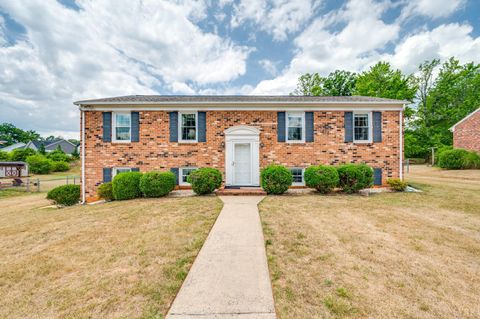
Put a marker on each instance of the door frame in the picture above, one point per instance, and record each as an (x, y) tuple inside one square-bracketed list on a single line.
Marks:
[(242, 134)]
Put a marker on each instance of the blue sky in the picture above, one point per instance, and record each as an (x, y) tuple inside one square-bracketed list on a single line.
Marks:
[(54, 52)]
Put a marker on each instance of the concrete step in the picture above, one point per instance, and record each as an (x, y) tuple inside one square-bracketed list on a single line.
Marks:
[(242, 191)]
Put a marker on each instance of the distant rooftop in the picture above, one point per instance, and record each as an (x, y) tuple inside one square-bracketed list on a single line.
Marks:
[(205, 99)]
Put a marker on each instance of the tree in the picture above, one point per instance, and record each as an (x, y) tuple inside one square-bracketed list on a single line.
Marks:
[(12, 134), (75, 153), (21, 154), (337, 83), (307, 84), (41, 149), (382, 81)]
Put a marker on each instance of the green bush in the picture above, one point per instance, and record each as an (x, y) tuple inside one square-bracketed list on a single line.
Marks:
[(471, 160), (127, 185), (105, 191), (20, 155), (205, 180), (4, 156), (397, 184), (276, 179), (39, 164), (323, 178), (67, 195), (157, 184), (58, 156), (354, 177), (60, 166), (452, 159)]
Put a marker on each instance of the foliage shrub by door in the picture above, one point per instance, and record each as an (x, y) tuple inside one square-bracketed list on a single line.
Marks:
[(354, 177), (127, 185), (205, 180), (66, 195), (276, 179), (157, 184), (323, 178)]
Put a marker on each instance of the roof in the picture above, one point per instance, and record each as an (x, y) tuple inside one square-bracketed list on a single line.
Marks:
[(13, 147), (220, 99), (465, 118), (13, 163)]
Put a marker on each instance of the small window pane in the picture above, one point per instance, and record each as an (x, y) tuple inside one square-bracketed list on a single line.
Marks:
[(297, 174), (123, 119), (122, 133), (294, 133), (361, 127), (185, 173), (188, 129)]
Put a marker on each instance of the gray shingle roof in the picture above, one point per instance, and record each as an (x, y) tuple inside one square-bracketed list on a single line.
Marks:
[(165, 99)]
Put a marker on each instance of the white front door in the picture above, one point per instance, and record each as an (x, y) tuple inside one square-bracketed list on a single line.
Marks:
[(242, 165)]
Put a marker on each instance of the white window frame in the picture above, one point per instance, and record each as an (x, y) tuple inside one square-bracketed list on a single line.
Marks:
[(180, 138), (180, 175), (114, 127), (370, 127), (302, 114), (116, 169), (303, 176)]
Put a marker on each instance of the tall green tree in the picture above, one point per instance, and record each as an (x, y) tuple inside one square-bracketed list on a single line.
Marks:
[(308, 84), (383, 81), (337, 83), (12, 134)]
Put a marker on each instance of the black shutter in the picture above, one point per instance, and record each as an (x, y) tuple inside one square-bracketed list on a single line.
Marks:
[(202, 126), (377, 126), (135, 169), (348, 125), (281, 126), (309, 132), (377, 176), (107, 126), (175, 171), (107, 174), (173, 126), (135, 127)]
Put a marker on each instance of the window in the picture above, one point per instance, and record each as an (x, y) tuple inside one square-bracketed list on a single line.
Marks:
[(297, 174), (188, 127), (184, 172), (361, 127), (295, 127), (118, 170), (121, 127)]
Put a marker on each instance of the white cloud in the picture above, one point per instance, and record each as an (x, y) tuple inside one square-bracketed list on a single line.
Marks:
[(320, 49), (3, 38), (431, 8), (442, 42), (276, 17), (269, 66), (104, 50)]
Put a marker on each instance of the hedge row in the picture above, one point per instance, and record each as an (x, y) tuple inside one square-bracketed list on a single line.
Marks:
[(276, 179), (458, 159)]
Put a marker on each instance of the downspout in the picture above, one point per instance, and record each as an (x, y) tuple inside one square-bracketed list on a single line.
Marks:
[(401, 143), (82, 114)]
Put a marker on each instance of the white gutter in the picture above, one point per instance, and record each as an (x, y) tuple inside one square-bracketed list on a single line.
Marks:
[(401, 143), (82, 114)]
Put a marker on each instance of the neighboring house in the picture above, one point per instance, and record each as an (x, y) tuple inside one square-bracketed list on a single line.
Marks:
[(13, 169), (50, 146), (13, 147), (466, 133), (239, 135)]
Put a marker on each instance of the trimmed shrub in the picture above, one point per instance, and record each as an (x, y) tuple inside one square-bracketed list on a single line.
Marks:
[(276, 179), (323, 178), (157, 184), (20, 155), (127, 185), (39, 164), (60, 166), (452, 159), (105, 191), (471, 160), (205, 180), (66, 195), (354, 177), (397, 184), (4, 156)]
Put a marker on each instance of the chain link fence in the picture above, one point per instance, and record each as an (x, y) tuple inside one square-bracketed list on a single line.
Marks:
[(37, 184)]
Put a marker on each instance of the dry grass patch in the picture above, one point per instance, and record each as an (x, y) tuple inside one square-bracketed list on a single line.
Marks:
[(121, 259), (396, 255)]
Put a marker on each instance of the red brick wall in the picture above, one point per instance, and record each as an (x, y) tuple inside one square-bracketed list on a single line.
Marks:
[(155, 152), (467, 134)]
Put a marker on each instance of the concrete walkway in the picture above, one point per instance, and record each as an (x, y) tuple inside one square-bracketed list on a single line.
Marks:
[(229, 278)]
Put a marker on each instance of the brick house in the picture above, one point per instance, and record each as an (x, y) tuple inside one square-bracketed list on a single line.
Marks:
[(466, 133), (238, 135)]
